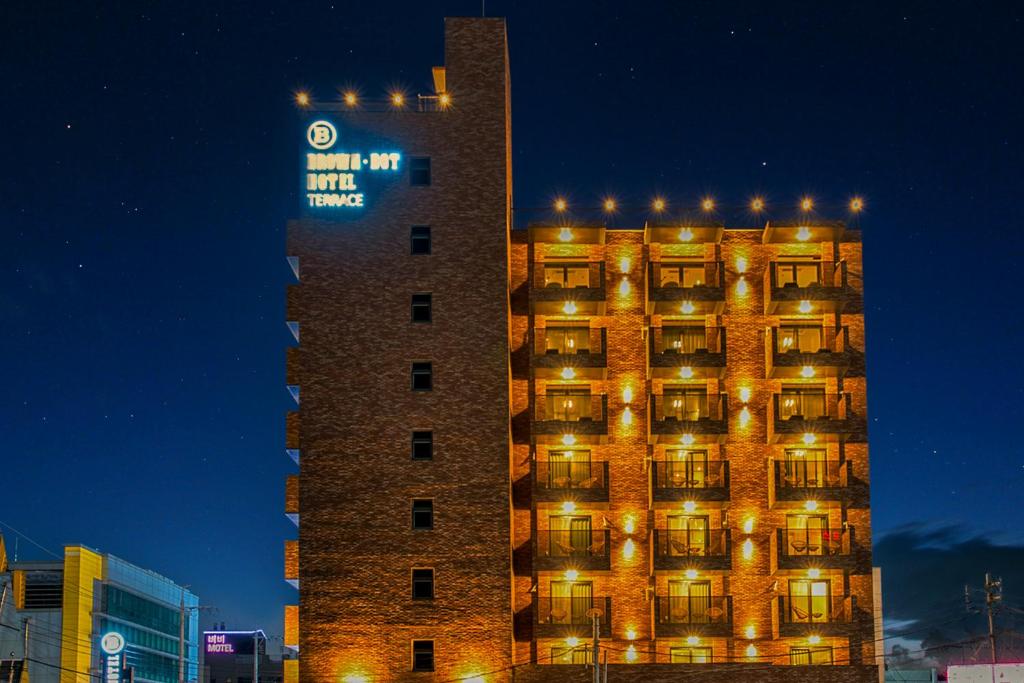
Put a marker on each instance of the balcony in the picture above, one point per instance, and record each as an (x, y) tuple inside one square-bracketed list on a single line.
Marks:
[(790, 349), (582, 416), (813, 548), (691, 549), (576, 549), (582, 349), (805, 286), (686, 288), (674, 414), (580, 481), (568, 288), (810, 417), (562, 617), (791, 233), (699, 348), (691, 232), (809, 479), (291, 563), (690, 479), (802, 616), (291, 627), (683, 616)]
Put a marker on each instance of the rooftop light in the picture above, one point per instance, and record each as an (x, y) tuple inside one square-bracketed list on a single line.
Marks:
[(560, 204), (609, 204), (397, 99), (806, 204), (856, 205), (351, 99), (658, 204), (302, 98), (708, 204), (756, 204)]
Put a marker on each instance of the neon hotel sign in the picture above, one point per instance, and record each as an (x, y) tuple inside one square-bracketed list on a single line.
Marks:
[(334, 177)]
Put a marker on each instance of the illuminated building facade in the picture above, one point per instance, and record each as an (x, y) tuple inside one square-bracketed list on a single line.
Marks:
[(505, 432), (62, 608)]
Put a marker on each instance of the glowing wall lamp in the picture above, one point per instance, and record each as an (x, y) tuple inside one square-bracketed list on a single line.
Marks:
[(803, 233), (569, 308), (631, 654), (748, 549), (687, 308), (627, 416), (568, 439), (628, 548), (568, 373), (624, 264), (624, 287), (568, 507), (685, 235), (565, 235), (805, 306), (571, 574)]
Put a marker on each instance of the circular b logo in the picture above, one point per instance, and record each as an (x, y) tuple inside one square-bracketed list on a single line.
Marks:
[(321, 134), (112, 643)]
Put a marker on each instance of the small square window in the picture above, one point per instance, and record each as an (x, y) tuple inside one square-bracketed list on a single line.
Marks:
[(420, 239), (423, 514), (421, 308), (423, 445), (419, 171), (423, 584), (422, 655), (422, 376)]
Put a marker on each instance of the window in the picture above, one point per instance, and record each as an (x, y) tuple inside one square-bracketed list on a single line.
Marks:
[(686, 404), (690, 469), (571, 655), (423, 445), (568, 405), (423, 514), (422, 655), (809, 468), (566, 275), (572, 536), (810, 602), (559, 340), (568, 603), (423, 584), (799, 338), (687, 535), (810, 535), (686, 339), (420, 240), (421, 308), (690, 655), (810, 655), (689, 602), (419, 174), (684, 275), (572, 469), (43, 590), (793, 273), (807, 403), (422, 376)]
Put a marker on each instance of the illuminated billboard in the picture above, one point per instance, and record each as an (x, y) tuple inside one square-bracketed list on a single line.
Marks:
[(229, 643), (337, 169)]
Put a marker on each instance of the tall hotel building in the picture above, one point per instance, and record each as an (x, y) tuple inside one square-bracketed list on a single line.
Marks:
[(506, 432)]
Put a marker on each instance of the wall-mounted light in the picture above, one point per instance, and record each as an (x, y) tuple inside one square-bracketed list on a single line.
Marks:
[(569, 308), (624, 287), (744, 416), (745, 394), (748, 549), (748, 525), (687, 308), (813, 573), (689, 506), (809, 438), (568, 373), (692, 640), (571, 574), (624, 264), (811, 505), (627, 416), (686, 372), (631, 654), (628, 548), (803, 233), (813, 640), (741, 264), (627, 395), (568, 507), (685, 235), (690, 574), (629, 523), (742, 287), (565, 235), (807, 372), (751, 651), (686, 439), (805, 306), (630, 634), (568, 439), (750, 632), (572, 641)]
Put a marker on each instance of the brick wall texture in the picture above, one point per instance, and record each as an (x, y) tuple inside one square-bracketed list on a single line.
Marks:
[(356, 548)]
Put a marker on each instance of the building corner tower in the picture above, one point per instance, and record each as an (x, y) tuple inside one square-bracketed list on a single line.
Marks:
[(403, 561)]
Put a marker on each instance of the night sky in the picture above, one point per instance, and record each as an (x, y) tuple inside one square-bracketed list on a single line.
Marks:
[(149, 173)]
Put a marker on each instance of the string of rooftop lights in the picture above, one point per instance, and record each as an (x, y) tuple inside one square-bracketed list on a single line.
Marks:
[(396, 99), (708, 205)]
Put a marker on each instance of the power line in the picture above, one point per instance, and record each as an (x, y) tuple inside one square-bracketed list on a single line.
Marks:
[(36, 544)]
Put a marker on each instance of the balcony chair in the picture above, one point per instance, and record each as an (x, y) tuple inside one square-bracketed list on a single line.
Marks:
[(589, 483), (553, 285), (557, 616), (561, 482), (714, 614), (803, 615)]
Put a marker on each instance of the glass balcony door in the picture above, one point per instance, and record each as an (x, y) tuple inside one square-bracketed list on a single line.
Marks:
[(686, 535), (798, 273), (690, 655), (684, 275), (809, 601), (689, 602), (569, 469), (568, 405), (570, 536), (567, 340), (684, 339), (566, 275), (570, 602), (806, 468), (686, 404), (807, 403), (807, 535), (687, 469), (800, 338)]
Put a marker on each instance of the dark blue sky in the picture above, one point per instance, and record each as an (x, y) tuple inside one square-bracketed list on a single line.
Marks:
[(149, 173)]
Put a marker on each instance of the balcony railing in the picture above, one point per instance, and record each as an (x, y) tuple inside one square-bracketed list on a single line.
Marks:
[(791, 349), (822, 284), (708, 615), (579, 480), (698, 285), (817, 548), (578, 548), (795, 414), (826, 615), (690, 479), (692, 548), (701, 349), (672, 414), (560, 617), (798, 479), (582, 415), (579, 348)]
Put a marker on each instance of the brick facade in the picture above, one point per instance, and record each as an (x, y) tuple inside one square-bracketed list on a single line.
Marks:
[(513, 555)]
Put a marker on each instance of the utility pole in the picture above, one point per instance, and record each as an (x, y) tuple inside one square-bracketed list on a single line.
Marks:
[(181, 640), (595, 616), (993, 596)]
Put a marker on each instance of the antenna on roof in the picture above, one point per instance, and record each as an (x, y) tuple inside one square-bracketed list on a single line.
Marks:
[(483, 8)]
